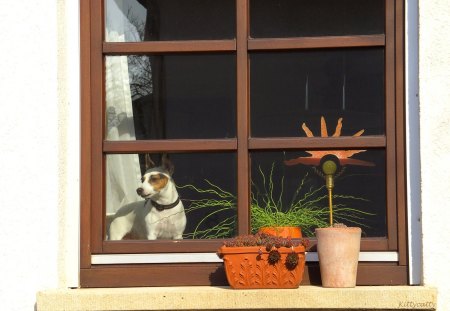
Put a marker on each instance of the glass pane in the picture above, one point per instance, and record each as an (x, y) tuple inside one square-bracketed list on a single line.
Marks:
[(288, 89), (304, 18), (162, 20), (142, 194), (289, 190), (170, 96)]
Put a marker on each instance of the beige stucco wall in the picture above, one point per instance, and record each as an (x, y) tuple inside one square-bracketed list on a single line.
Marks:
[(434, 82), (39, 147), (28, 152)]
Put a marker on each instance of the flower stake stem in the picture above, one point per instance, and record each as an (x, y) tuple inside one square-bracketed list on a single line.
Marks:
[(329, 168), (330, 202)]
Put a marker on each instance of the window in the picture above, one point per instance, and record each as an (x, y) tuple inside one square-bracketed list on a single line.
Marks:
[(242, 96)]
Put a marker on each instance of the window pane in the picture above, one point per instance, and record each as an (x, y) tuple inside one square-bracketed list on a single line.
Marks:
[(159, 20), (170, 96), (205, 184), (288, 89), (303, 18), (286, 191)]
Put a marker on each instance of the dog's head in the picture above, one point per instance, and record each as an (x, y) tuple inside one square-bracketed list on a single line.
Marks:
[(155, 178)]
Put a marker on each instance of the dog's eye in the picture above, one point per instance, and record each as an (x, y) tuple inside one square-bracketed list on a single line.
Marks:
[(154, 178)]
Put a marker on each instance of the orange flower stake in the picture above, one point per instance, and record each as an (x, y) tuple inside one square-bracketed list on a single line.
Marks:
[(344, 156), (338, 246), (329, 167)]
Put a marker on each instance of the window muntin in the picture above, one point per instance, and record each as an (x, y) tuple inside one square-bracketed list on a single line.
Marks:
[(163, 20), (304, 18), (291, 88)]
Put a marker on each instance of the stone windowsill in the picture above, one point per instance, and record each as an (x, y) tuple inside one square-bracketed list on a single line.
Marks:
[(224, 298)]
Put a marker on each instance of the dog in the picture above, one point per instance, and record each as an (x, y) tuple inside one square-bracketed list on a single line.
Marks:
[(160, 215)]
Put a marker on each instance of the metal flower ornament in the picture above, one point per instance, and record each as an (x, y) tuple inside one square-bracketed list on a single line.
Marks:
[(330, 162), (316, 157)]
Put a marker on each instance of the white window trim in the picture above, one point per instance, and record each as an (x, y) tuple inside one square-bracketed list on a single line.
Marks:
[(212, 257), (69, 238)]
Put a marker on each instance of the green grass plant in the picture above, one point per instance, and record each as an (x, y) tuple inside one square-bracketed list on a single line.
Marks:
[(308, 207)]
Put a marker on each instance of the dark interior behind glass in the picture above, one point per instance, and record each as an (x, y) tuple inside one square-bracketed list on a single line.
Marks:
[(307, 18), (288, 89)]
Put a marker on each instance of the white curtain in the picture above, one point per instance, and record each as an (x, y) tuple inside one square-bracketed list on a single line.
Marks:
[(122, 171)]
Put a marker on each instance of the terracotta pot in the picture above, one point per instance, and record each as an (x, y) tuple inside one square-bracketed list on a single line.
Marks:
[(293, 232), (338, 250), (248, 268)]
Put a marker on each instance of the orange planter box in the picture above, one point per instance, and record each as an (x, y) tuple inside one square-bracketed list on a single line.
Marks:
[(248, 267)]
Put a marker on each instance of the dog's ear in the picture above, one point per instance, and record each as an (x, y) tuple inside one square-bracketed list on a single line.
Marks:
[(149, 162), (167, 164)]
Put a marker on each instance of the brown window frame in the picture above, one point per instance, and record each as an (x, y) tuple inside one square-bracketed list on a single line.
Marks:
[(94, 148)]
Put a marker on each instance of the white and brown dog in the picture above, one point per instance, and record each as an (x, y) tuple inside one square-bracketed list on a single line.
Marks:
[(160, 216)]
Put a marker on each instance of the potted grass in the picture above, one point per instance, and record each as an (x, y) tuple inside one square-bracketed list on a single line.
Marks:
[(270, 213), (300, 210), (277, 216), (263, 261), (298, 214)]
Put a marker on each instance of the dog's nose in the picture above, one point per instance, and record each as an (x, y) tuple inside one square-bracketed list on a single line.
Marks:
[(139, 191)]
